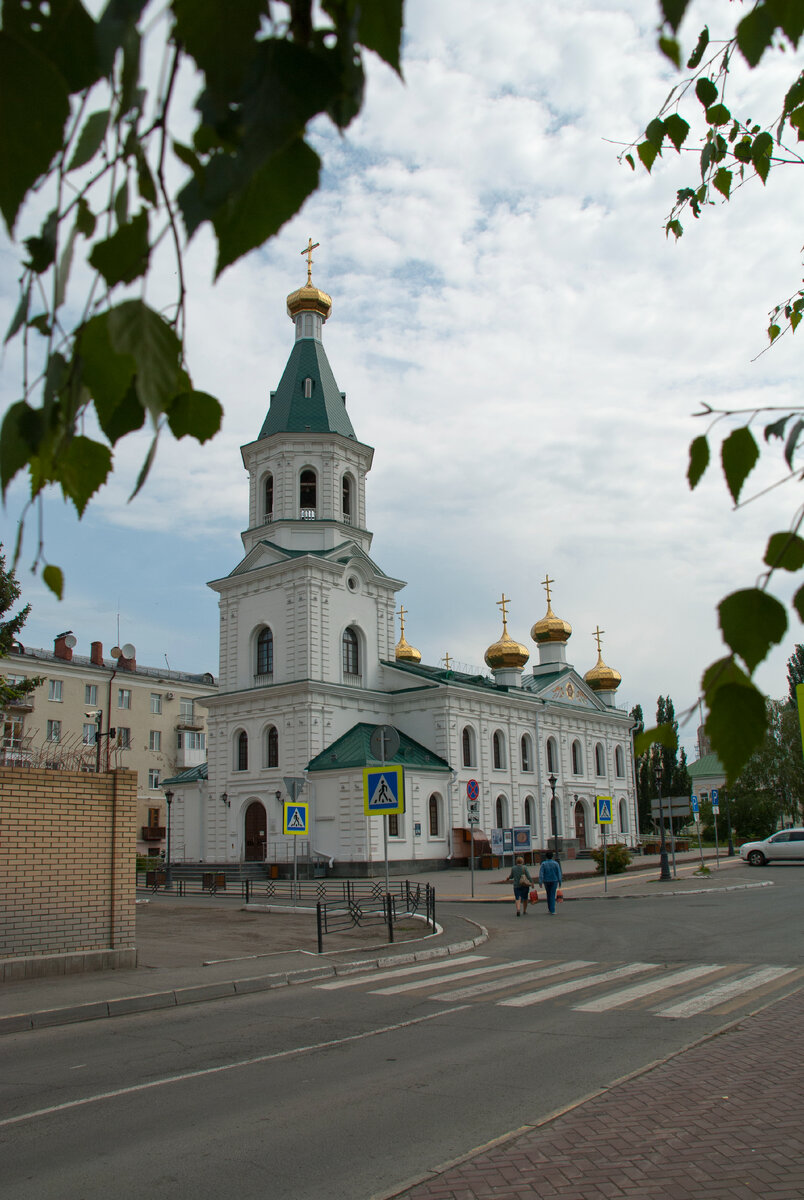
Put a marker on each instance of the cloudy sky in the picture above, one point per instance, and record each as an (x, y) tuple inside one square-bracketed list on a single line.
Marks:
[(517, 340)]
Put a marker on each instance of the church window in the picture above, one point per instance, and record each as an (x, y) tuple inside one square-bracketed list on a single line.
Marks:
[(265, 653), (530, 813), (577, 758), (271, 754), (552, 757), (619, 762), (600, 760), (498, 750), (526, 750), (351, 652), (347, 499), (501, 812), (308, 388), (393, 825), (268, 492), (623, 817), (434, 815), (241, 751), (468, 746), (307, 495)]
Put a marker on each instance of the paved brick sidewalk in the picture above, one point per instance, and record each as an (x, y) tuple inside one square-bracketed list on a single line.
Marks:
[(720, 1121)]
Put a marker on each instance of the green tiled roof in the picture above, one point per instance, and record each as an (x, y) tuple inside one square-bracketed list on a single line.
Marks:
[(191, 775), (352, 750), (710, 764), (442, 675), (292, 412)]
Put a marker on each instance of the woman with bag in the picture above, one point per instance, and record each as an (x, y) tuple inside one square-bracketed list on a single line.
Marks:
[(550, 877), (519, 873)]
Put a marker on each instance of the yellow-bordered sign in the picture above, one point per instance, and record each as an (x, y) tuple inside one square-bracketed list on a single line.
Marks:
[(383, 790), (603, 810), (296, 818)]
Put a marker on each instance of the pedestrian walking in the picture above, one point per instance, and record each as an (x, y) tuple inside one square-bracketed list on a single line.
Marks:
[(550, 878), (519, 873)]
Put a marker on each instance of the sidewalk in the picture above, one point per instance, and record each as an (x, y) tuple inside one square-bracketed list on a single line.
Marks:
[(718, 1121)]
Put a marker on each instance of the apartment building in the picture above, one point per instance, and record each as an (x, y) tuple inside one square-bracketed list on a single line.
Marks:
[(92, 713)]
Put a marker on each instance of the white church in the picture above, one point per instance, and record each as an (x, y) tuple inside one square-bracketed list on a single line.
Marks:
[(310, 665)]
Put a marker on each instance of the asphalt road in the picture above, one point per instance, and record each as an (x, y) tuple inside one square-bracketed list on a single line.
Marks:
[(343, 1092)]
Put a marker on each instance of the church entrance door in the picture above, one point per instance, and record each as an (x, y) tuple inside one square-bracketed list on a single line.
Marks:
[(256, 832), (580, 825)]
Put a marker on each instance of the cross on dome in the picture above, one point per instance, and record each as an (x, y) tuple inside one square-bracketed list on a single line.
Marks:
[(546, 585), (597, 635)]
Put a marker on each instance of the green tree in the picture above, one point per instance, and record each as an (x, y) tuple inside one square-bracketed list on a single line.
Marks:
[(730, 150), (110, 160), (662, 755), (10, 627), (795, 673)]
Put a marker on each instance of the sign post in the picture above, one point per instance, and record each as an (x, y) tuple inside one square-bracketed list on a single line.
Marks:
[(294, 785), (472, 819), (295, 820), (714, 797), (384, 744), (696, 812), (604, 818)]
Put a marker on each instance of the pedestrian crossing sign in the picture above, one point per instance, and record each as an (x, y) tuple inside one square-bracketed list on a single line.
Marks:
[(383, 790), (295, 818), (603, 806)]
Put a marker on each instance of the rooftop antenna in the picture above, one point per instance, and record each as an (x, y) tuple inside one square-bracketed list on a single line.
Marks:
[(167, 663)]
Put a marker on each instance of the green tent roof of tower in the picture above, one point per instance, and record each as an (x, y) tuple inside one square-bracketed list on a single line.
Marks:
[(323, 411)]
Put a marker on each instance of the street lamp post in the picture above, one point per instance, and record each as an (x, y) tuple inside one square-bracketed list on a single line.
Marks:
[(553, 780), (728, 823), (168, 876), (664, 872)]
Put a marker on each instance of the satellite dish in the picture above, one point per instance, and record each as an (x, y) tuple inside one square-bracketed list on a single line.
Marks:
[(128, 650), (70, 641), (115, 651)]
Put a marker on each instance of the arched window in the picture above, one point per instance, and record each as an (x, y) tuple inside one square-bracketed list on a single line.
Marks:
[(434, 815), (501, 812), (552, 756), (268, 497), (526, 752), (307, 495), (577, 758), (271, 748), (468, 746), (351, 652), (241, 751), (265, 653), (619, 762), (623, 816), (347, 499), (600, 759), (554, 817), (530, 812), (498, 750)]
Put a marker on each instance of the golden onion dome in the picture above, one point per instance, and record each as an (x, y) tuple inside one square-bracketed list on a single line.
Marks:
[(404, 652), (602, 678), (506, 653), (309, 299), (551, 628)]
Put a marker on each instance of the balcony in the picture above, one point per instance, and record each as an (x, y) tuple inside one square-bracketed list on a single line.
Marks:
[(308, 514), (188, 721), (153, 833)]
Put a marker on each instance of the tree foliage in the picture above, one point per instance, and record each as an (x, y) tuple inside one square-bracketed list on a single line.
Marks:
[(795, 673), (10, 628), (656, 749), (108, 157), (730, 150)]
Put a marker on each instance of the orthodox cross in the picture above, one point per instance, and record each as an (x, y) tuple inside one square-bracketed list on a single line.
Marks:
[(447, 662), (546, 585), (502, 603), (308, 250), (597, 635), (402, 611)]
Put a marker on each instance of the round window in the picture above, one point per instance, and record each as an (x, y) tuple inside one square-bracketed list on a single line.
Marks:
[(353, 583)]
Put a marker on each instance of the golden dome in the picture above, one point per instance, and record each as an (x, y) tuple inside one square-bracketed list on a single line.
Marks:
[(506, 653), (602, 678), (309, 299), (551, 628), (404, 652)]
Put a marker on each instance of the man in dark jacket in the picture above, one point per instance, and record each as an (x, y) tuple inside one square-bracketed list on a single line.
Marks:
[(550, 878)]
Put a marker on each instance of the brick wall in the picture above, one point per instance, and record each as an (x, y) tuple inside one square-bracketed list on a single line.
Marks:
[(67, 853)]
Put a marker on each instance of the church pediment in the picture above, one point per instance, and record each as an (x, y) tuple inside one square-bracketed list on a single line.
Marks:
[(564, 688)]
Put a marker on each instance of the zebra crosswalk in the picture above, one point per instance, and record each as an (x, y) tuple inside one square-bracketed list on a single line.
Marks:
[(674, 992)]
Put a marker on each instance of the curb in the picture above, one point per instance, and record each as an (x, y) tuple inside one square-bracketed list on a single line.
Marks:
[(199, 993)]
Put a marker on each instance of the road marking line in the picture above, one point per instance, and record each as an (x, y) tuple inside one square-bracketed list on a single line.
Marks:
[(495, 985), (717, 995), (575, 985), (638, 990), (434, 965), (233, 1066), (401, 988)]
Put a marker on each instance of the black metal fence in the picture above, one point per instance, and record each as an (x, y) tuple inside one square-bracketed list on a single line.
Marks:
[(372, 905)]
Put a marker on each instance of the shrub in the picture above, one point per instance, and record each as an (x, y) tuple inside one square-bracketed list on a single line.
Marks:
[(618, 856)]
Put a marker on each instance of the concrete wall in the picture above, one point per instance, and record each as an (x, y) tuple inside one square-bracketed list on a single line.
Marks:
[(67, 847)]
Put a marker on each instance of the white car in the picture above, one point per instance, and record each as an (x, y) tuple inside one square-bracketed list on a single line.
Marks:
[(784, 846)]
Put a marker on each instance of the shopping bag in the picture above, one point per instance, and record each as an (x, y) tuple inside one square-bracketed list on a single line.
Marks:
[(559, 894), (534, 895)]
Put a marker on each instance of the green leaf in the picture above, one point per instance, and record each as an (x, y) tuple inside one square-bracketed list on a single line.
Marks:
[(755, 33), (739, 455), (104, 371), (676, 129), (752, 622), (736, 725), (145, 469), (743, 150), (190, 159), (699, 51), (91, 138), (220, 37), (121, 204), (777, 428), (53, 578), (82, 468), (670, 49), (85, 220), (647, 154), (792, 442), (21, 315), (16, 440), (127, 416), (60, 32), (34, 107), (629, 158), (795, 95), (675, 227), (379, 28), (699, 460), (145, 180), (655, 133), (785, 551), (718, 114), (706, 92), (773, 332), (42, 249), (138, 331), (661, 735), (272, 196), (123, 257), (195, 413), (761, 152), (63, 270), (673, 11), (722, 181), (795, 320)]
